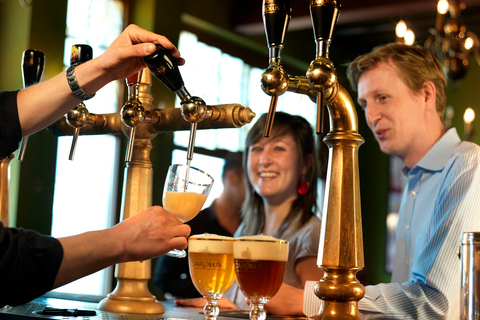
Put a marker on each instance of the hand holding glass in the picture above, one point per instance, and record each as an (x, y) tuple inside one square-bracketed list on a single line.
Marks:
[(210, 259), (260, 263), (185, 191)]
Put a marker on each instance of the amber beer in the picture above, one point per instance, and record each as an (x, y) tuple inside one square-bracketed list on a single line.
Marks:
[(211, 263), (260, 263)]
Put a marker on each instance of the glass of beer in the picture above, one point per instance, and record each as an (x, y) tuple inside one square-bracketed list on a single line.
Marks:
[(185, 191), (210, 260), (260, 263)]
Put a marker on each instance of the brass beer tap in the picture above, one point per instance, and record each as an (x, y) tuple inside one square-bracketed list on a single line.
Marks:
[(340, 252), (33, 63), (79, 116), (275, 80)]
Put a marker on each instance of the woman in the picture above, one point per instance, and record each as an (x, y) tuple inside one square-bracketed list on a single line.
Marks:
[(281, 181)]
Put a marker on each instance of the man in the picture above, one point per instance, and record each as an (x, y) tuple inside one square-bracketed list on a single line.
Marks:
[(172, 276), (402, 90), (30, 263)]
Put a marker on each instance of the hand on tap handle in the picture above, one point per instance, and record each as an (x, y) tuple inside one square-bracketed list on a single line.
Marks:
[(79, 117), (33, 63)]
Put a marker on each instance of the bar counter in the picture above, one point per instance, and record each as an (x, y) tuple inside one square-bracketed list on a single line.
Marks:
[(33, 310)]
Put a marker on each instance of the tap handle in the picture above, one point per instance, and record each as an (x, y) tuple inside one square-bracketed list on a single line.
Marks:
[(276, 16), (324, 14), (165, 68), (80, 53), (33, 63)]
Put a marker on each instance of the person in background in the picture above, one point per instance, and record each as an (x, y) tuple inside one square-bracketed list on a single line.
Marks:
[(172, 276), (281, 200), (402, 90), (32, 264)]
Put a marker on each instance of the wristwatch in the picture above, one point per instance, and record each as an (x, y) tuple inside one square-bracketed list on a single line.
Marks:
[(72, 82)]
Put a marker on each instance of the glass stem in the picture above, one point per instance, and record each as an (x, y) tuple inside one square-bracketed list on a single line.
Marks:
[(211, 309), (258, 311)]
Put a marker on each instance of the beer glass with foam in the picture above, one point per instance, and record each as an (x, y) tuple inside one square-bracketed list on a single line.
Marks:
[(210, 260), (185, 191), (260, 263)]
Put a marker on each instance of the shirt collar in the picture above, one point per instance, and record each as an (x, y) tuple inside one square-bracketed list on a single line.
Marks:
[(438, 155)]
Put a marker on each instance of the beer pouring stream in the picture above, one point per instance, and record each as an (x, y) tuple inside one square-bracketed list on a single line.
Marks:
[(33, 63)]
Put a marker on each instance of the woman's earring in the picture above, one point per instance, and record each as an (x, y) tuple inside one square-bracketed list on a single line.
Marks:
[(303, 187)]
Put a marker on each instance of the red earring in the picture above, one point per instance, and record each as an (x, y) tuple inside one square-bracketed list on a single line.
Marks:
[(303, 187)]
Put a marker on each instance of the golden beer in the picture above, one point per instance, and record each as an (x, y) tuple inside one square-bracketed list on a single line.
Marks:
[(211, 263)]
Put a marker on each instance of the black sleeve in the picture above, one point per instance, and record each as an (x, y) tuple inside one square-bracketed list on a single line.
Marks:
[(10, 131), (29, 263)]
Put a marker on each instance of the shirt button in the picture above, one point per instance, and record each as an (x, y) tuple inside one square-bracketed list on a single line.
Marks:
[(407, 227), (413, 193), (406, 261)]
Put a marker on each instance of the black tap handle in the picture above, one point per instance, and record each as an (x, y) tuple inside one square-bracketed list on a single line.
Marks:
[(276, 16), (80, 53), (33, 63), (324, 14), (165, 68)]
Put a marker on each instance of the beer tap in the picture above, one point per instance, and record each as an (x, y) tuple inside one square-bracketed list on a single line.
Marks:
[(133, 113), (79, 116), (165, 68), (33, 63), (275, 81), (321, 74)]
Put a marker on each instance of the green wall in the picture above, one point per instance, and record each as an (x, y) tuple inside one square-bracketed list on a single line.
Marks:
[(43, 26)]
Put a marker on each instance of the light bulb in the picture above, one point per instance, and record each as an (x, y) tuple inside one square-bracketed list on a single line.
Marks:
[(409, 37), (469, 115), (442, 6), (400, 29), (468, 44)]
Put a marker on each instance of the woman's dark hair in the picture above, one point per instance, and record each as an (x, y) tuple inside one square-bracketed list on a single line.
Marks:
[(304, 206)]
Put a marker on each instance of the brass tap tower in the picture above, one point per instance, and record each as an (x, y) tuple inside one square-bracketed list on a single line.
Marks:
[(141, 122), (341, 243)]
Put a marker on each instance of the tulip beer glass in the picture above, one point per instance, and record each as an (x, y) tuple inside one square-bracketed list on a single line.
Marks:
[(210, 260), (260, 263), (185, 191)]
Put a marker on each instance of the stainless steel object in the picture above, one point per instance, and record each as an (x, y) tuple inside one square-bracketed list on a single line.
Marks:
[(470, 275)]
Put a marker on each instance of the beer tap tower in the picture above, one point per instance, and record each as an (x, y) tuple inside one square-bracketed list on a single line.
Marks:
[(141, 122), (341, 243)]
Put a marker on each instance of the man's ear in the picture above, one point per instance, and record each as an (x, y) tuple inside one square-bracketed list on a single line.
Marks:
[(429, 92)]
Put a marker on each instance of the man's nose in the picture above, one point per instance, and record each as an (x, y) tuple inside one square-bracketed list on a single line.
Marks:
[(372, 114)]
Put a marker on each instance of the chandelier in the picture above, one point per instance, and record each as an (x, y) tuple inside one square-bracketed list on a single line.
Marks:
[(449, 40)]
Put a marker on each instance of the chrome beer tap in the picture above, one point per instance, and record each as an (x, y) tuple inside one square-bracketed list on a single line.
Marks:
[(33, 63), (165, 68), (133, 113), (79, 116), (275, 81)]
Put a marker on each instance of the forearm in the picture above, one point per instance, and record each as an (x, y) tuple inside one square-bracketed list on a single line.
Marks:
[(87, 253), (42, 104)]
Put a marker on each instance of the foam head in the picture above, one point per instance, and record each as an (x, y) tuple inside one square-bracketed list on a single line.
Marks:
[(210, 243), (260, 247)]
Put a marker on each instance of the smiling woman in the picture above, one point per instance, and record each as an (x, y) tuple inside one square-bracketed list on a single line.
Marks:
[(281, 178)]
